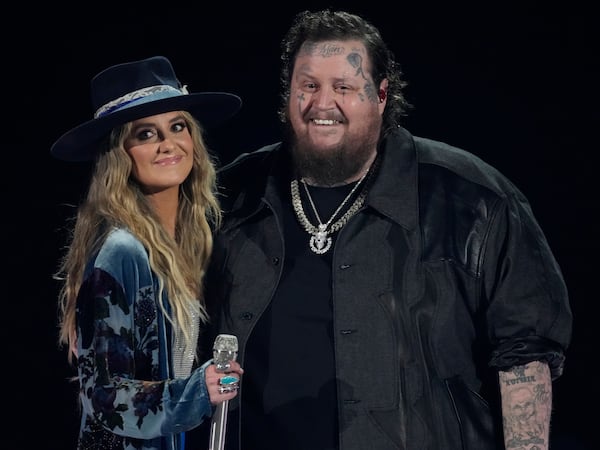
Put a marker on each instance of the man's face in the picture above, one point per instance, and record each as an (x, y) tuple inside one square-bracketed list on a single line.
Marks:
[(335, 110)]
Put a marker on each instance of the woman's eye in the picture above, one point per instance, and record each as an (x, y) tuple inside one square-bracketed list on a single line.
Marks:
[(144, 135), (179, 126)]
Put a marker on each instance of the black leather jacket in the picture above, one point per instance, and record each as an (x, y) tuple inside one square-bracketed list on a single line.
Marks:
[(443, 277)]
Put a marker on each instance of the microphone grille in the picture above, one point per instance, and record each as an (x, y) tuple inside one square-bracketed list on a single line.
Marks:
[(226, 343)]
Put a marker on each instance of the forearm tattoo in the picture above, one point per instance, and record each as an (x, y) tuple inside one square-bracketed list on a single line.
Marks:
[(526, 393)]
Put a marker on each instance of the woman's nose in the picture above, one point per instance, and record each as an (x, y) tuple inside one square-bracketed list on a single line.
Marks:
[(166, 146)]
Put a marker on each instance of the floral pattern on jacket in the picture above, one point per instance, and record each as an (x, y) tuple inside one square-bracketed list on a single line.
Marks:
[(129, 398)]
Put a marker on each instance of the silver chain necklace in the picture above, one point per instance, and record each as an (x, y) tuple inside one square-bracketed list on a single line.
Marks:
[(320, 241)]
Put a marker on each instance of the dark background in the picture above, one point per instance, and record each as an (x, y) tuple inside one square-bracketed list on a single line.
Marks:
[(515, 85)]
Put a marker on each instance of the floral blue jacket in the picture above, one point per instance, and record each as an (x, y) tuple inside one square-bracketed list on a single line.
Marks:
[(129, 397)]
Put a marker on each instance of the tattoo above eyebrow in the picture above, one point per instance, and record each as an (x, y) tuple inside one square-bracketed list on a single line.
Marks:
[(355, 61), (327, 50)]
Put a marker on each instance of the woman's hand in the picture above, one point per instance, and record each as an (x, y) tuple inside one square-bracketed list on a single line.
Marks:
[(223, 385)]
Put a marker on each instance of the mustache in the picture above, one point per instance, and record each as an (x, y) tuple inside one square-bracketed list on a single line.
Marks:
[(324, 115)]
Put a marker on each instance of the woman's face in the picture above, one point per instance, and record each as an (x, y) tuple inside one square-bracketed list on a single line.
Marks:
[(162, 151)]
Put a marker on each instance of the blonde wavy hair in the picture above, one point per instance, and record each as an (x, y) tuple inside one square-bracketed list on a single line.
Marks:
[(114, 199)]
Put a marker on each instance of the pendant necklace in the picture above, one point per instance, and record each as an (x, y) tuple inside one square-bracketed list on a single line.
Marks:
[(320, 239)]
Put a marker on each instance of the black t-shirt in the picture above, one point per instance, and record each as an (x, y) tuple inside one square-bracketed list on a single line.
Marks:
[(289, 395)]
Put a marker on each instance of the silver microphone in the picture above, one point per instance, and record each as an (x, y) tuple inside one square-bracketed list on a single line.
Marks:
[(225, 349)]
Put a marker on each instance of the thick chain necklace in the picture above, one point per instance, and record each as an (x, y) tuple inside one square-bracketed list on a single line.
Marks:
[(320, 241)]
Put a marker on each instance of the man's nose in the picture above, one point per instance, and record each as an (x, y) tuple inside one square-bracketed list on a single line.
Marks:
[(324, 98)]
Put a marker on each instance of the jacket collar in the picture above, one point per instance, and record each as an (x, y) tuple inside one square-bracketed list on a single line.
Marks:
[(394, 190)]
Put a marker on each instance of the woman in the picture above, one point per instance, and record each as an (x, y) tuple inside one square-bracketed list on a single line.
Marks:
[(131, 299)]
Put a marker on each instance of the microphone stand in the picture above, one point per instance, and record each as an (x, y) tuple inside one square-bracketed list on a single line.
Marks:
[(218, 427), (225, 349)]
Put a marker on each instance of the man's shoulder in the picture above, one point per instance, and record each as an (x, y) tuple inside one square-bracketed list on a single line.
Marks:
[(247, 173), (252, 158), (458, 163), (431, 151)]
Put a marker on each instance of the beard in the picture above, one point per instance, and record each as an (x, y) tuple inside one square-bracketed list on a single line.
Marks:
[(336, 165)]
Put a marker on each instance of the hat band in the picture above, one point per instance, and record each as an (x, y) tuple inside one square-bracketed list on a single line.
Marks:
[(144, 95)]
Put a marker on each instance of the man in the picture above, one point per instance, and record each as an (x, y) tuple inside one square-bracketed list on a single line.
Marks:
[(387, 291)]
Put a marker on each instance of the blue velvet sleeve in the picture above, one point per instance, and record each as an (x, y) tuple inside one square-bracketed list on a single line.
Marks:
[(120, 348)]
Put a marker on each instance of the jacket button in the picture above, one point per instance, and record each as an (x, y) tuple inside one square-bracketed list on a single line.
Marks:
[(344, 266), (246, 316), (276, 260)]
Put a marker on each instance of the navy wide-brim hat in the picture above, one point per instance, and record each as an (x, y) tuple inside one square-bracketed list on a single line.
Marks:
[(137, 89)]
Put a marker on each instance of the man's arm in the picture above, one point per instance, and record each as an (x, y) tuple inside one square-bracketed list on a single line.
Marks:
[(526, 393)]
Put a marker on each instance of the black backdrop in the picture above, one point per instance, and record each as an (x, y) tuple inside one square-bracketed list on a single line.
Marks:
[(514, 85)]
